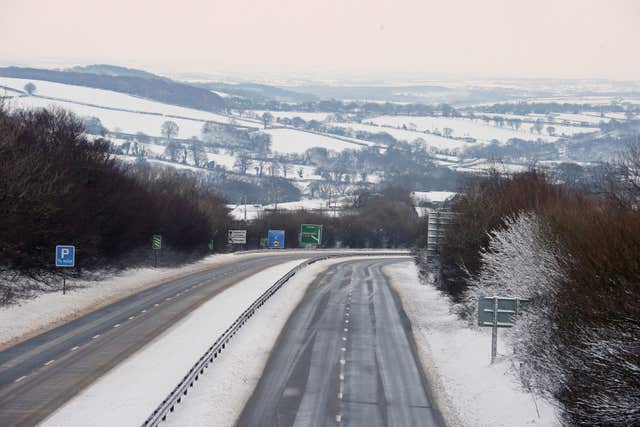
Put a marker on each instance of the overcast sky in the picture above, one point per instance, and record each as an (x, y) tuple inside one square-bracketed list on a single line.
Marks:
[(325, 39)]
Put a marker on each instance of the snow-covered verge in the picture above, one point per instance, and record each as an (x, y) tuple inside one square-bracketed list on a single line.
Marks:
[(34, 316), (219, 396), (456, 360)]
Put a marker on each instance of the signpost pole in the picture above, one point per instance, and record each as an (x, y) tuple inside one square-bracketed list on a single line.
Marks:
[(494, 331), (64, 282)]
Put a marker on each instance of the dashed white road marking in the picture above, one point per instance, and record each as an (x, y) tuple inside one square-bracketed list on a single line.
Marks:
[(20, 379), (49, 362), (338, 418), (117, 325), (95, 336), (156, 305), (132, 317), (75, 348), (143, 311)]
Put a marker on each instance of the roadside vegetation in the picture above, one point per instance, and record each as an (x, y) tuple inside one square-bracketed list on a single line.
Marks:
[(575, 256), (57, 187)]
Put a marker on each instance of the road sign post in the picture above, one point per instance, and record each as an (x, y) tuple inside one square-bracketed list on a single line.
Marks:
[(499, 312), (237, 237), (275, 239), (156, 246), (311, 235), (65, 258)]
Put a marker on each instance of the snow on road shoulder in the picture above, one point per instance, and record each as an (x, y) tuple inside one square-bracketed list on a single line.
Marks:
[(223, 392), (128, 394), (456, 359), (46, 311), (219, 396)]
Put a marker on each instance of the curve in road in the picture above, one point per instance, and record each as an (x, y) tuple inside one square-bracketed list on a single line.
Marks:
[(40, 374)]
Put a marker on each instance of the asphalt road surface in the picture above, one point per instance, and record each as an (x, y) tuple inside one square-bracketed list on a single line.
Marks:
[(345, 357), (39, 375)]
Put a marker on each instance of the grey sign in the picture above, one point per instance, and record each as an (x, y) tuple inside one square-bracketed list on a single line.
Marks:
[(507, 310)]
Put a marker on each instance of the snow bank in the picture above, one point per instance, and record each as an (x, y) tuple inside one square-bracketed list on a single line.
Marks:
[(456, 359)]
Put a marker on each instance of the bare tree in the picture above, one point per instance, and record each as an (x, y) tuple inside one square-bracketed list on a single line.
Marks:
[(267, 119), (169, 129)]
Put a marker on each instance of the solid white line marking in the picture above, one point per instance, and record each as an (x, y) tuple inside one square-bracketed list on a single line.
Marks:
[(75, 348), (20, 379), (49, 362)]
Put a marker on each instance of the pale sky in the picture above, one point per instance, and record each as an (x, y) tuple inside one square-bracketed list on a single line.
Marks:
[(326, 38)]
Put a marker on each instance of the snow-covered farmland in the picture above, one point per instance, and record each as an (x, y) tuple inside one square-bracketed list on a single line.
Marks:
[(456, 359), (111, 99), (304, 115), (481, 131), (434, 141), (294, 141), (114, 120)]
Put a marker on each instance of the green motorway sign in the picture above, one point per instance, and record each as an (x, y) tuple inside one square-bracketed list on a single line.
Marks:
[(310, 234), (156, 242)]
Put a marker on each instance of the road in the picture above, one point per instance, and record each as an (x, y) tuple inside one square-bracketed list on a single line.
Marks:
[(38, 375), (345, 357)]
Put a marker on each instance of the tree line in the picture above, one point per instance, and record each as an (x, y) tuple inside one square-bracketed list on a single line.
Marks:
[(575, 256), (58, 187)]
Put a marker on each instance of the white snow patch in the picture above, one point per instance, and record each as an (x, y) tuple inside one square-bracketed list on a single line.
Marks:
[(456, 359), (294, 141)]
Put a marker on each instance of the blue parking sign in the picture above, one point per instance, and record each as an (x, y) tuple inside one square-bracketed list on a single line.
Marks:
[(275, 239), (65, 256)]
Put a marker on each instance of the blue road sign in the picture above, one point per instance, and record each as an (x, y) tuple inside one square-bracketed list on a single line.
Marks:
[(65, 256), (275, 239)]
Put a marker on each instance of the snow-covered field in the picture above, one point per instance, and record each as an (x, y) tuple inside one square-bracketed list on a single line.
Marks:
[(304, 115), (469, 390), (293, 141), (114, 120), (478, 129), (253, 211), (111, 99), (431, 196), (434, 141)]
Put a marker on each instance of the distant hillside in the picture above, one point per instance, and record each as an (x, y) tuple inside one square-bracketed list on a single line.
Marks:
[(158, 89), (113, 70), (258, 92)]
